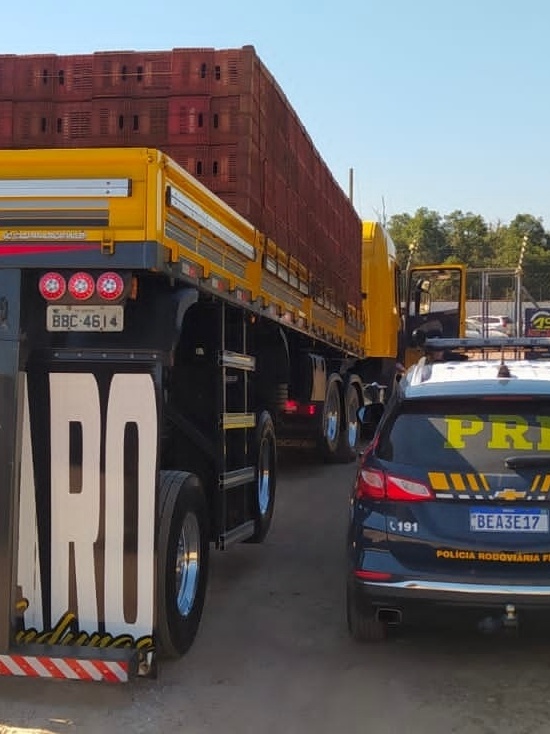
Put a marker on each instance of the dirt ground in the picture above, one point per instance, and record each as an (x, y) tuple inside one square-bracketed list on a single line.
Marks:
[(273, 654)]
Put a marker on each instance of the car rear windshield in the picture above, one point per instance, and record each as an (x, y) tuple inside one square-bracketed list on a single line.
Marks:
[(482, 435)]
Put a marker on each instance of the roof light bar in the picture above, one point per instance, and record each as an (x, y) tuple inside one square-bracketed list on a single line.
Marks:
[(506, 342)]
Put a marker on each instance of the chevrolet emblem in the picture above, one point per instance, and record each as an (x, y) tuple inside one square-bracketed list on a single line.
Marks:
[(509, 494)]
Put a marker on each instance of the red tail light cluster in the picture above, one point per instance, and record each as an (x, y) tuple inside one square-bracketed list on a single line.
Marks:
[(81, 286), (373, 484), (52, 286), (293, 407), (110, 286)]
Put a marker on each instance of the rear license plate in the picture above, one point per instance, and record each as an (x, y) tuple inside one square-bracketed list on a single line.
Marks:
[(84, 318), (509, 520)]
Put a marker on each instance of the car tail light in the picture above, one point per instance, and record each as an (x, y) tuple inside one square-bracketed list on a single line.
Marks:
[(375, 485), (52, 286), (81, 286), (109, 286), (398, 488), (370, 485)]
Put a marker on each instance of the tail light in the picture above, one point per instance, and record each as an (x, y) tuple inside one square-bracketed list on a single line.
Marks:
[(109, 286), (373, 484), (293, 407), (81, 286), (398, 488), (372, 575), (52, 286)]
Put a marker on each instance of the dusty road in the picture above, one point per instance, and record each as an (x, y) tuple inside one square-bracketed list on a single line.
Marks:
[(273, 655)]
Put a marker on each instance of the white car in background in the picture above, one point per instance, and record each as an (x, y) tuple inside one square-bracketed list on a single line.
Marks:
[(496, 326)]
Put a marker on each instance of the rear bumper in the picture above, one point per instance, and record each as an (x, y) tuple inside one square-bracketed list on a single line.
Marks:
[(413, 592)]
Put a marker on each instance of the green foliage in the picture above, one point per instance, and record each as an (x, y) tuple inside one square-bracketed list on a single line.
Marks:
[(463, 237)]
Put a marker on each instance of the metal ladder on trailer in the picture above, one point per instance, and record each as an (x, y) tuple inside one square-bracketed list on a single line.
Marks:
[(237, 424)]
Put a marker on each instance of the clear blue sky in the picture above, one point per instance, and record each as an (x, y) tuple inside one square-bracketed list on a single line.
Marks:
[(433, 103)]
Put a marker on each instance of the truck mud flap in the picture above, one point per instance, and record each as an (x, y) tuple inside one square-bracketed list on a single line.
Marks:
[(85, 546)]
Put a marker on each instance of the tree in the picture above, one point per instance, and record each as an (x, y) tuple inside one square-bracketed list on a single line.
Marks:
[(423, 232), (467, 238)]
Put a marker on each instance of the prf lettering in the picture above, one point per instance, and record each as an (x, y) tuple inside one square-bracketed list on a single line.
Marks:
[(500, 431)]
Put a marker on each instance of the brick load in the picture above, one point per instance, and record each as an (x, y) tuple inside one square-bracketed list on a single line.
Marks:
[(218, 113)]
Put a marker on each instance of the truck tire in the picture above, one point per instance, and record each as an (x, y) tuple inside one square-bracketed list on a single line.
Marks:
[(182, 561), (351, 430), (363, 627), (266, 477), (331, 422)]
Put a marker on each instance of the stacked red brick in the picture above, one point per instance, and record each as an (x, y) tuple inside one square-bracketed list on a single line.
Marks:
[(219, 114)]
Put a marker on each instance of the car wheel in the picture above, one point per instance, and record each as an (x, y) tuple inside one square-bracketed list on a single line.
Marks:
[(363, 626)]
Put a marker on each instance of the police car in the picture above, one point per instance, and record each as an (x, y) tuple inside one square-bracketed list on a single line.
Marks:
[(451, 502)]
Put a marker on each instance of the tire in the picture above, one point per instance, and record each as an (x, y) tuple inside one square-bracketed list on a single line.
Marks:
[(266, 477), (182, 561), (351, 429), (331, 422), (363, 627)]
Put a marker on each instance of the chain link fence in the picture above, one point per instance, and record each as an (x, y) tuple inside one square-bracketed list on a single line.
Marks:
[(507, 294)]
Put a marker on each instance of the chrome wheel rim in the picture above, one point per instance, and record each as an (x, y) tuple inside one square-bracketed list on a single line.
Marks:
[(332, 409), (264, 477), (187, 564), (353, 425)]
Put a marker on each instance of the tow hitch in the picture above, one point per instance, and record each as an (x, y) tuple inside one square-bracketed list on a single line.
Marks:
[(508, 620)]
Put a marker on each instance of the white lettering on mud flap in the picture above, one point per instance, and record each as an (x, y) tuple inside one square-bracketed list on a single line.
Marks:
[(88, 555)]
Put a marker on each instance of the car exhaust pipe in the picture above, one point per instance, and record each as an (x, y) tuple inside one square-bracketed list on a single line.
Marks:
[(392, 617)]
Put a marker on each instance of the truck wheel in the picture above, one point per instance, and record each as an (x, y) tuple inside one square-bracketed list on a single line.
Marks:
[(332, 419), (350, 434), (182, 561), (266, 477), (361, 626)]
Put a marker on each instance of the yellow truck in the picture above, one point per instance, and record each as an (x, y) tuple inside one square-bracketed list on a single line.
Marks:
[(155, 349)]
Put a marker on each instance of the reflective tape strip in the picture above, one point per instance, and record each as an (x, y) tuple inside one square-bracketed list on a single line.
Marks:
[(60, 668), (438, 480), (484, 482), (473, 482), (69, 668), (458, 482)]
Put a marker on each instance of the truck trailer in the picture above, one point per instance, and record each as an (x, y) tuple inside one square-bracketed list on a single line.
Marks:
[(153, 347), (161, 341)]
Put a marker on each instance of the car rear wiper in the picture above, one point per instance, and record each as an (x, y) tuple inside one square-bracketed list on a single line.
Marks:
[(535, 461)]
